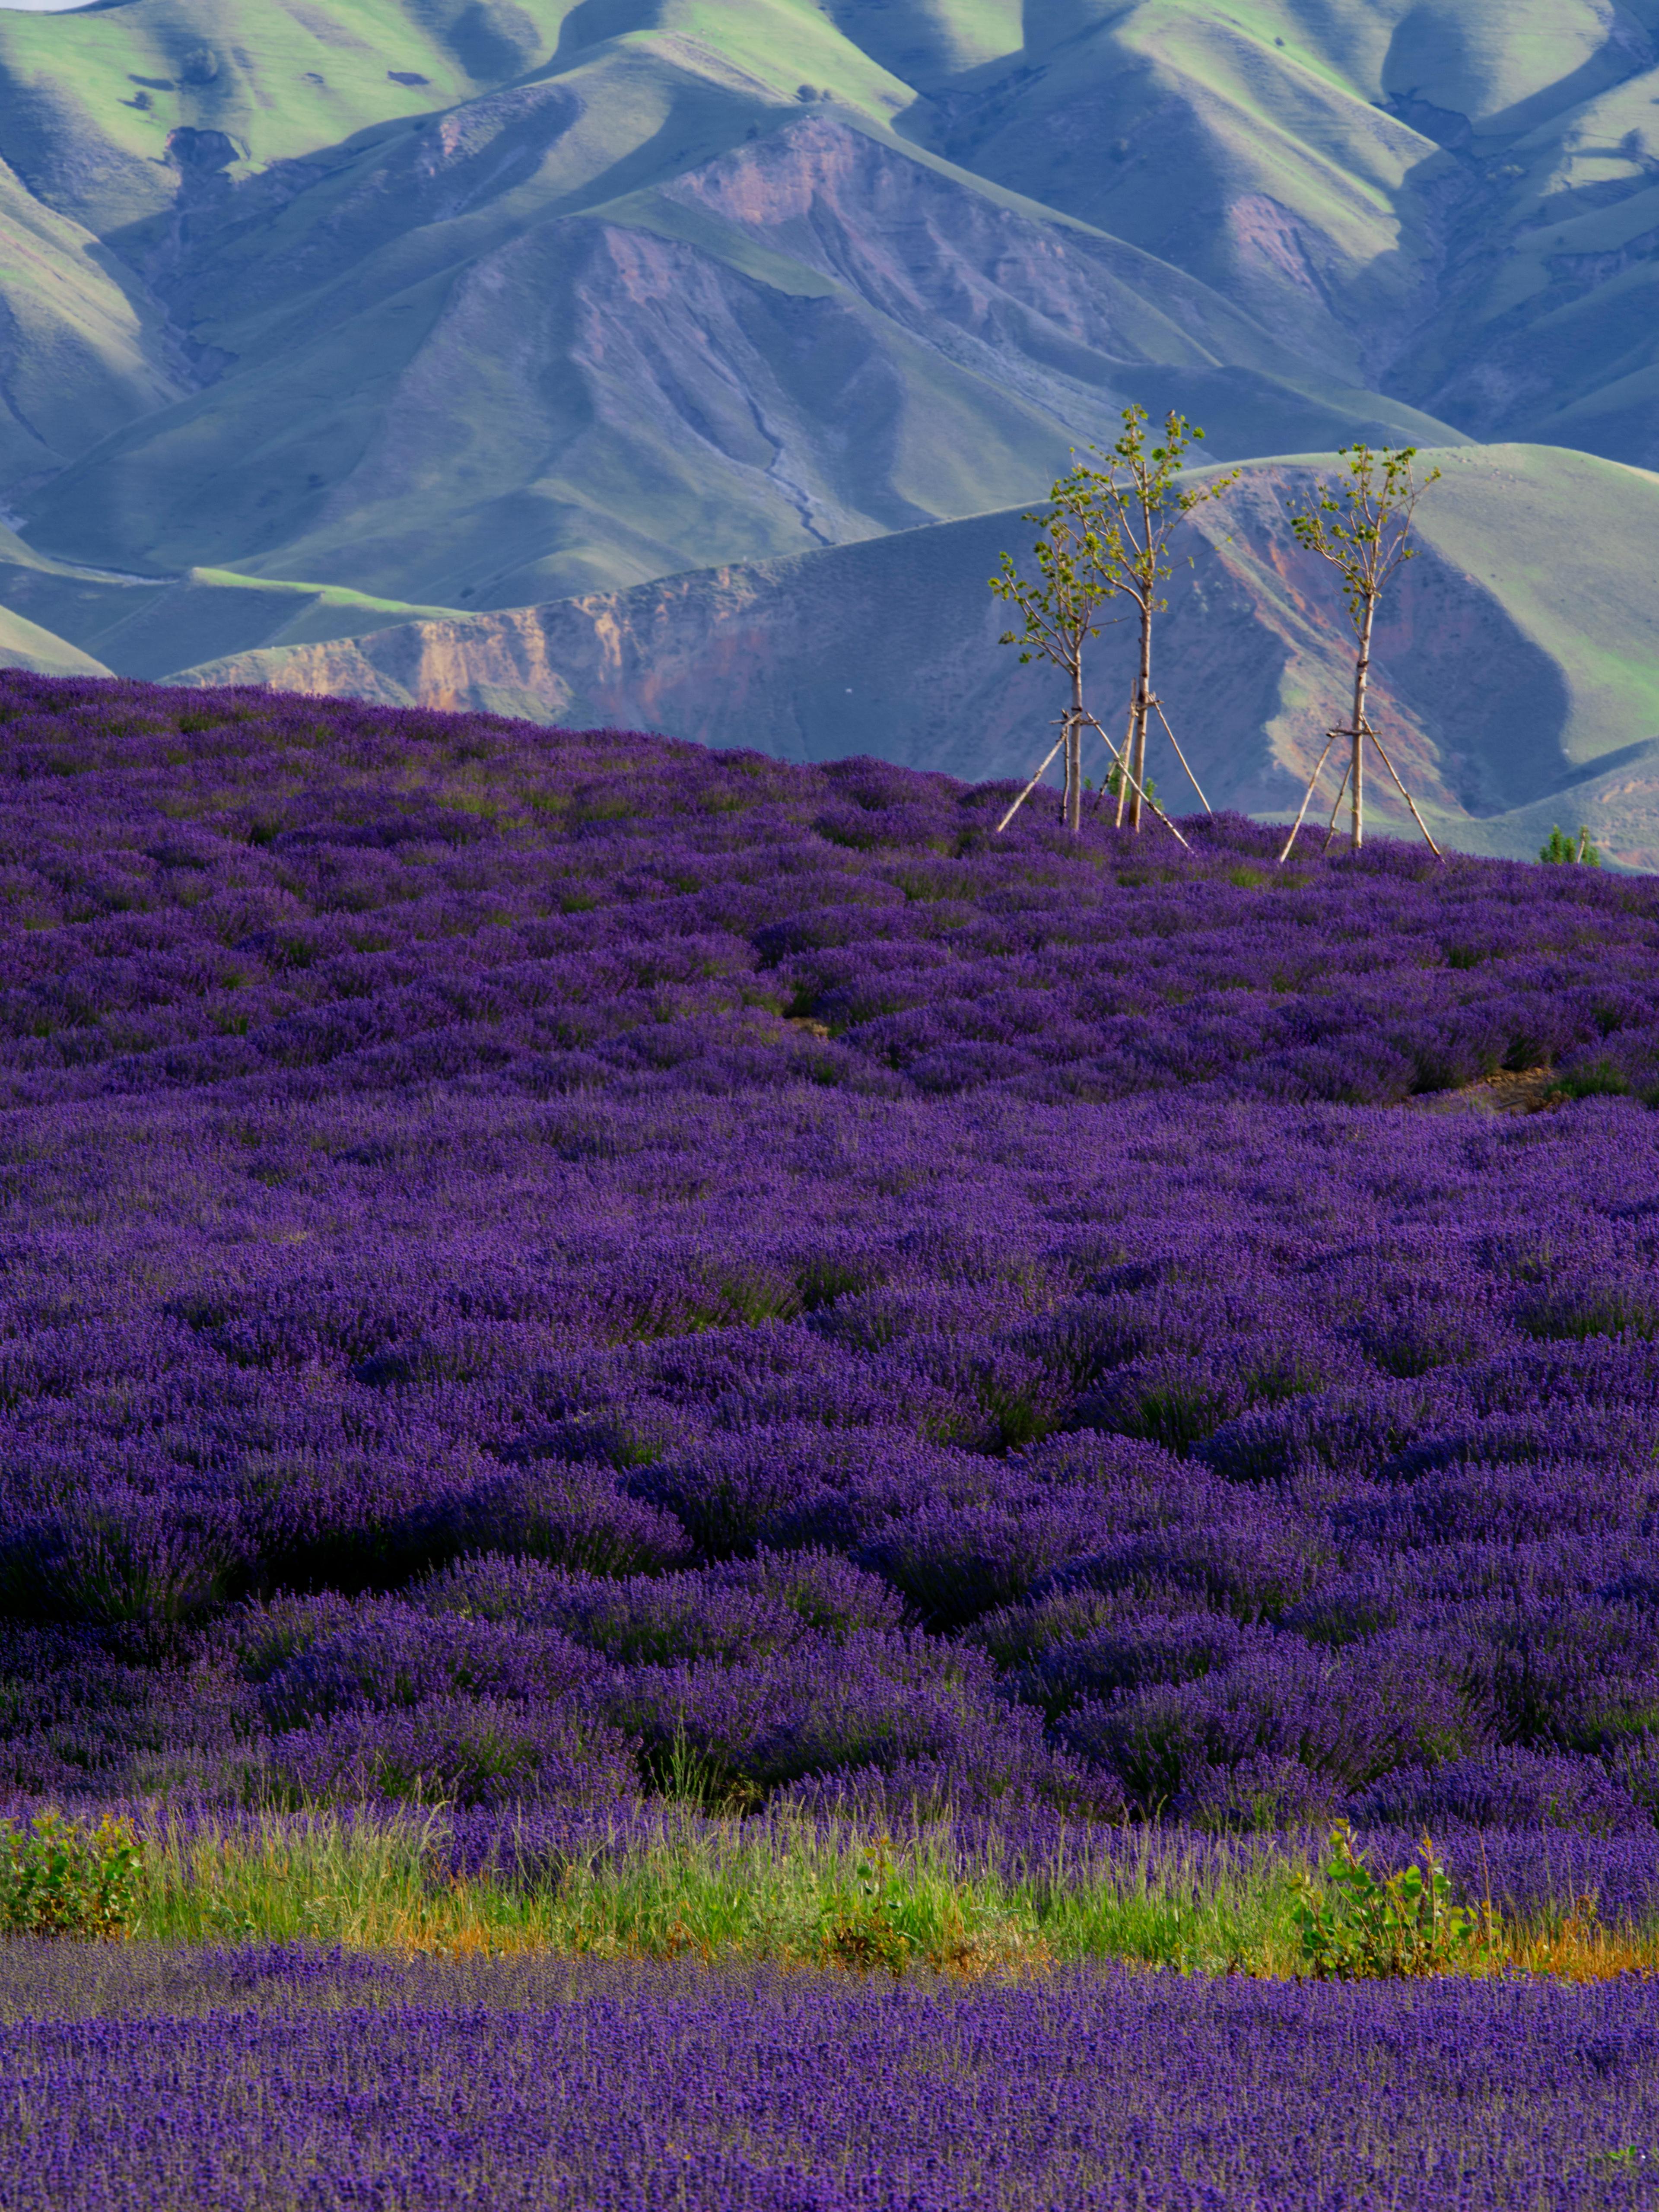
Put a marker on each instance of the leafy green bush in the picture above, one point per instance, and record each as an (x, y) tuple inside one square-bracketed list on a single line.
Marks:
[(1117, 782), (1359, 1929), (1561, 848), (61, 1877)]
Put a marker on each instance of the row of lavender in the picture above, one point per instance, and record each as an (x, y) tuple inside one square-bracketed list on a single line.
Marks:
[(289, 2078), (466, 1331)]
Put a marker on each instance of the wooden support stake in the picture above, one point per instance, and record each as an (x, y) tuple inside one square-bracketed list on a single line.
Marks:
[(1182, 756), (1130, 783), (1330, 827), (1406, 796), (1307, 795), (1065, 732)]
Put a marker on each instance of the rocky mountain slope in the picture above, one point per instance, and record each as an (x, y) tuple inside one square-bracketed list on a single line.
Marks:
[(319, 318)]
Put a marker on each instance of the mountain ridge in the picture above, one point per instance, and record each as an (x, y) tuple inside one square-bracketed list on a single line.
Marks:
[(345, 316)]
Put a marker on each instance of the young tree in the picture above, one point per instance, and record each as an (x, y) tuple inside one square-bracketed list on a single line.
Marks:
[(1107, 530), (1362, 525), (1062, 607), (1144, 507)]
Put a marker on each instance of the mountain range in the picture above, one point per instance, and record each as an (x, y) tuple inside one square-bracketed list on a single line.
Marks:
[(689, 362)]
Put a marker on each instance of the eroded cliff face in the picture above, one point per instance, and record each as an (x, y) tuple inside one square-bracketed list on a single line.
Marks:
[(891, 647), (912, 242)]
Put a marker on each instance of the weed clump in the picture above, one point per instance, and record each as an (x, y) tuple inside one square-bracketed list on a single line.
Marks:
[(67, 1878), (1360, 1928)]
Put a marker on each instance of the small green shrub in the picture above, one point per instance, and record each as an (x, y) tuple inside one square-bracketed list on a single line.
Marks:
[(59, 1877), (1356, 1927), (1597, 1079), (1561, 848)]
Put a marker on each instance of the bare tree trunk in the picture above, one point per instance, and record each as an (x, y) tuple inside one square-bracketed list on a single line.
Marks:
[(1361, 669), (1143, 706), (1074, 753), (1121, 763)]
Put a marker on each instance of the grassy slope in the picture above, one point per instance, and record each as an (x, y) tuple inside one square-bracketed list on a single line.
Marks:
[(25, 645), (1248, 145), (1528, 520), (719, 394), (1290, 153), (1563, 313), (1242, 144), (280, 81), (385, 425), (84, 353), (140, 626), (1508, 708)]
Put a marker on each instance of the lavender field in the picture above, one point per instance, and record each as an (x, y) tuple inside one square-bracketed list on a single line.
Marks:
[(571, 1289)]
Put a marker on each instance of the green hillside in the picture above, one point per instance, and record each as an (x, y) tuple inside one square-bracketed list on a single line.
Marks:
[(26, 645), (644, 310), (147, 625), (1454, 199), (406, 295)]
